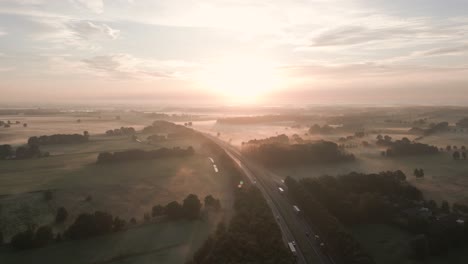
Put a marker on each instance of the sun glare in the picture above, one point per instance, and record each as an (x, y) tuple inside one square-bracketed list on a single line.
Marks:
[(241, 80)]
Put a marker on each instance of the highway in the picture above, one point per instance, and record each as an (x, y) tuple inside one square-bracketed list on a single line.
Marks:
[(292, 225)]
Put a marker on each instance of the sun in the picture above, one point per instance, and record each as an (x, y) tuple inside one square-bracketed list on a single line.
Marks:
[(241, 79)]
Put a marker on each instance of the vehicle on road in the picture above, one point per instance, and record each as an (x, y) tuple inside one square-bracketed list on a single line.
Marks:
[(292, 247), (296, 209), (281, 190)]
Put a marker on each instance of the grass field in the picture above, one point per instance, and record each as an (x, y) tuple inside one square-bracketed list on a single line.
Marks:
[(126, 190), (389, 245), (167, 242), (66, 123)]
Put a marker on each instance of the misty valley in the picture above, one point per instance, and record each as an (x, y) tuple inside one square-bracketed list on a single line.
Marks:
[(361, 184)]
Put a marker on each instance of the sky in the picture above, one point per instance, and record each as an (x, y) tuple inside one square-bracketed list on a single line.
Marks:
[(234, 52)]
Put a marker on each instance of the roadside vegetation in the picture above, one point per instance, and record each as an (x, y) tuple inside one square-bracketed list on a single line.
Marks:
[(357, 199)]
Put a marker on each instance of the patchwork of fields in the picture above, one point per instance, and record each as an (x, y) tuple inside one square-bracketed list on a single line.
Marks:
[(126, 190)]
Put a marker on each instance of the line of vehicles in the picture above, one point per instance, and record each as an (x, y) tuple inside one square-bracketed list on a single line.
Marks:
[(292, 244)]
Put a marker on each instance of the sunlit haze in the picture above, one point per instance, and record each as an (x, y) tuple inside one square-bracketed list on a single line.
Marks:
[(234, 52)]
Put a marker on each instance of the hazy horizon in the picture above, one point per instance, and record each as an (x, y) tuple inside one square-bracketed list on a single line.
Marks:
[(233, 52)]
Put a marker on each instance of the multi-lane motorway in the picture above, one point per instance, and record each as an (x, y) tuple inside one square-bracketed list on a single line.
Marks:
[(293, 226)]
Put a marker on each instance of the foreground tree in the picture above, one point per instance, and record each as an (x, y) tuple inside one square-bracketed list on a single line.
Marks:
[(157, 210), (43, 236), (211, 202), (23, 240), (191, 207), (174, 210), (61, 215)]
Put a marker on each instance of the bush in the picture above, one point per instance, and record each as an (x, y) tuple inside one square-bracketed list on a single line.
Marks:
[(174, 210), (43, 236), (23, 240), (191, 207), (61, 215), (211, 202), (157, 210), (88, 225), (137, 154)]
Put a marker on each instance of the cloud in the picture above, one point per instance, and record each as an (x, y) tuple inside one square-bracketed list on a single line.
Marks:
[(127, 66), (65, 32), (351, 35), (444, 51), (366, 70), (88, 29), (96, 6)]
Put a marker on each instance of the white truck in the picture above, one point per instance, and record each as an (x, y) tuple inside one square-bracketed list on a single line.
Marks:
[(281, 190), (292, 248)]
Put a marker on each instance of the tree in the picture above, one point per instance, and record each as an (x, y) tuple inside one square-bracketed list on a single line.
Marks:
[(5, 151), (211, 202), (43, 236), (445, 207), (191, 206), (61, 215), (456, 155), (86, 133), (463, 155), (119, 224), (87, 225), (174, 210), (448, 148), (23, 240), (104, 157), (157, 210), (25, 125)]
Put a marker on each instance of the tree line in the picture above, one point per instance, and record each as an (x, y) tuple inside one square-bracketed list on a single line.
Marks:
[(123, 131), (138, 154), (88, 225), (21, 152), (387, 198), (404, 147), (297, 154), (252, 235), (59, 139), (339, 242)]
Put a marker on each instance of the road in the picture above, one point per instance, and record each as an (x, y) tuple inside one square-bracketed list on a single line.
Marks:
[(293, 226)]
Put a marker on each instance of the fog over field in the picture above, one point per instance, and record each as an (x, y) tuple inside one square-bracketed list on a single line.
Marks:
[(221, 131)]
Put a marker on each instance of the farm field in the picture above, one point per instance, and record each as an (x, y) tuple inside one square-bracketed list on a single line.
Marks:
[(166, 242), (66, 123), (389, 245), (445, 179), (126, 190)]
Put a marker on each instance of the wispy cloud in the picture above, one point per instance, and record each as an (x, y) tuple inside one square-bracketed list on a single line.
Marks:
[(453, 50), (127, 66), (88, 29), (96, 6)]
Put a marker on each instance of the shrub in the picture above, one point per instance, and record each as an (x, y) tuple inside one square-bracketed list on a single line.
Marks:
[(61, 215)]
